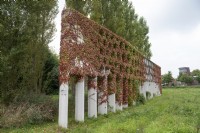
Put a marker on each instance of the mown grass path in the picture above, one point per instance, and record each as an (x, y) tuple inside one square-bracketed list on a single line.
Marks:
[(176, 111)]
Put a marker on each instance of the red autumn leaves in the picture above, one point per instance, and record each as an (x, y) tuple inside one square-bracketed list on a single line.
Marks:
[(87, 48)]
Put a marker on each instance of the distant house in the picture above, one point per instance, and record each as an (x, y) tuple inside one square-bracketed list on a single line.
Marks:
[(184, 70)]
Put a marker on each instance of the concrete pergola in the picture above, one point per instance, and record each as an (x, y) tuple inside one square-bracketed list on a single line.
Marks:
[(111, 64)]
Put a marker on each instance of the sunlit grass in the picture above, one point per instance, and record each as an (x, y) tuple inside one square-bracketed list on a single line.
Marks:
[(176, 111)]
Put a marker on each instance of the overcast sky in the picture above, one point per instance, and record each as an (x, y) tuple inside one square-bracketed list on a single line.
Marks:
[(174, 31)]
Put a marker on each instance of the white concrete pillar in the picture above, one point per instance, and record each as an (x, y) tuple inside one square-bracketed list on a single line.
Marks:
[(92, 98), (119, 106), (119, 100), (111, 103), (102, 94), (102, 103), (125, 105), (142, 90), (125, 93), (63, 105), (79, 100), (134, 102)]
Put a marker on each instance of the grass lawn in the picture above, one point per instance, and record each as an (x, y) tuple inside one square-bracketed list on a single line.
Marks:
[(176, 111)]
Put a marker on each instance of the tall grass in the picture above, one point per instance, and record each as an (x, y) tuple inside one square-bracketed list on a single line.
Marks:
[(33, 109)]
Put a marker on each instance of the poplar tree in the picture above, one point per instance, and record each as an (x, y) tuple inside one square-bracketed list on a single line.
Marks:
[(26, 29)]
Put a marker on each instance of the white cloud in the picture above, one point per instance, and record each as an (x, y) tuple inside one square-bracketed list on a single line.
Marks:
[(174, 32)]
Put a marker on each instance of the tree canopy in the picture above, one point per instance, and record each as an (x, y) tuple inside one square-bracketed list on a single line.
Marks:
[(26, 28), (167, 78), (196, 74), (185, 78)]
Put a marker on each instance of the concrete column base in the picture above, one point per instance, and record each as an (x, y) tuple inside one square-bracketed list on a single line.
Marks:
[(79, 101), (125, 105), (102, 104), (63, 105), (134, 103), (92, 103), (111, 103), (119, 106)]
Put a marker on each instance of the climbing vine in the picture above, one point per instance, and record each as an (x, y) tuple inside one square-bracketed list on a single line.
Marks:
[(87, 48)]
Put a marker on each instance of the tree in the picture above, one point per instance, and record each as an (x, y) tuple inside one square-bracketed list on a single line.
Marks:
[(27, 29), (118, 16), (185, 78), (78, 5), (196, 74), (167, 78), (50, 75)]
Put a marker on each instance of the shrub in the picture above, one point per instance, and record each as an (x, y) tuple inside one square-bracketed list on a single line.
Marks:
[(148, 94), (51, 73), (37, 109), (140, 99)]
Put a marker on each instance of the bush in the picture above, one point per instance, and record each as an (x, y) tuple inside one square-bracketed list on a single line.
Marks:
[(51, 74), (36, 109), (140, 99), (148, 94)]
